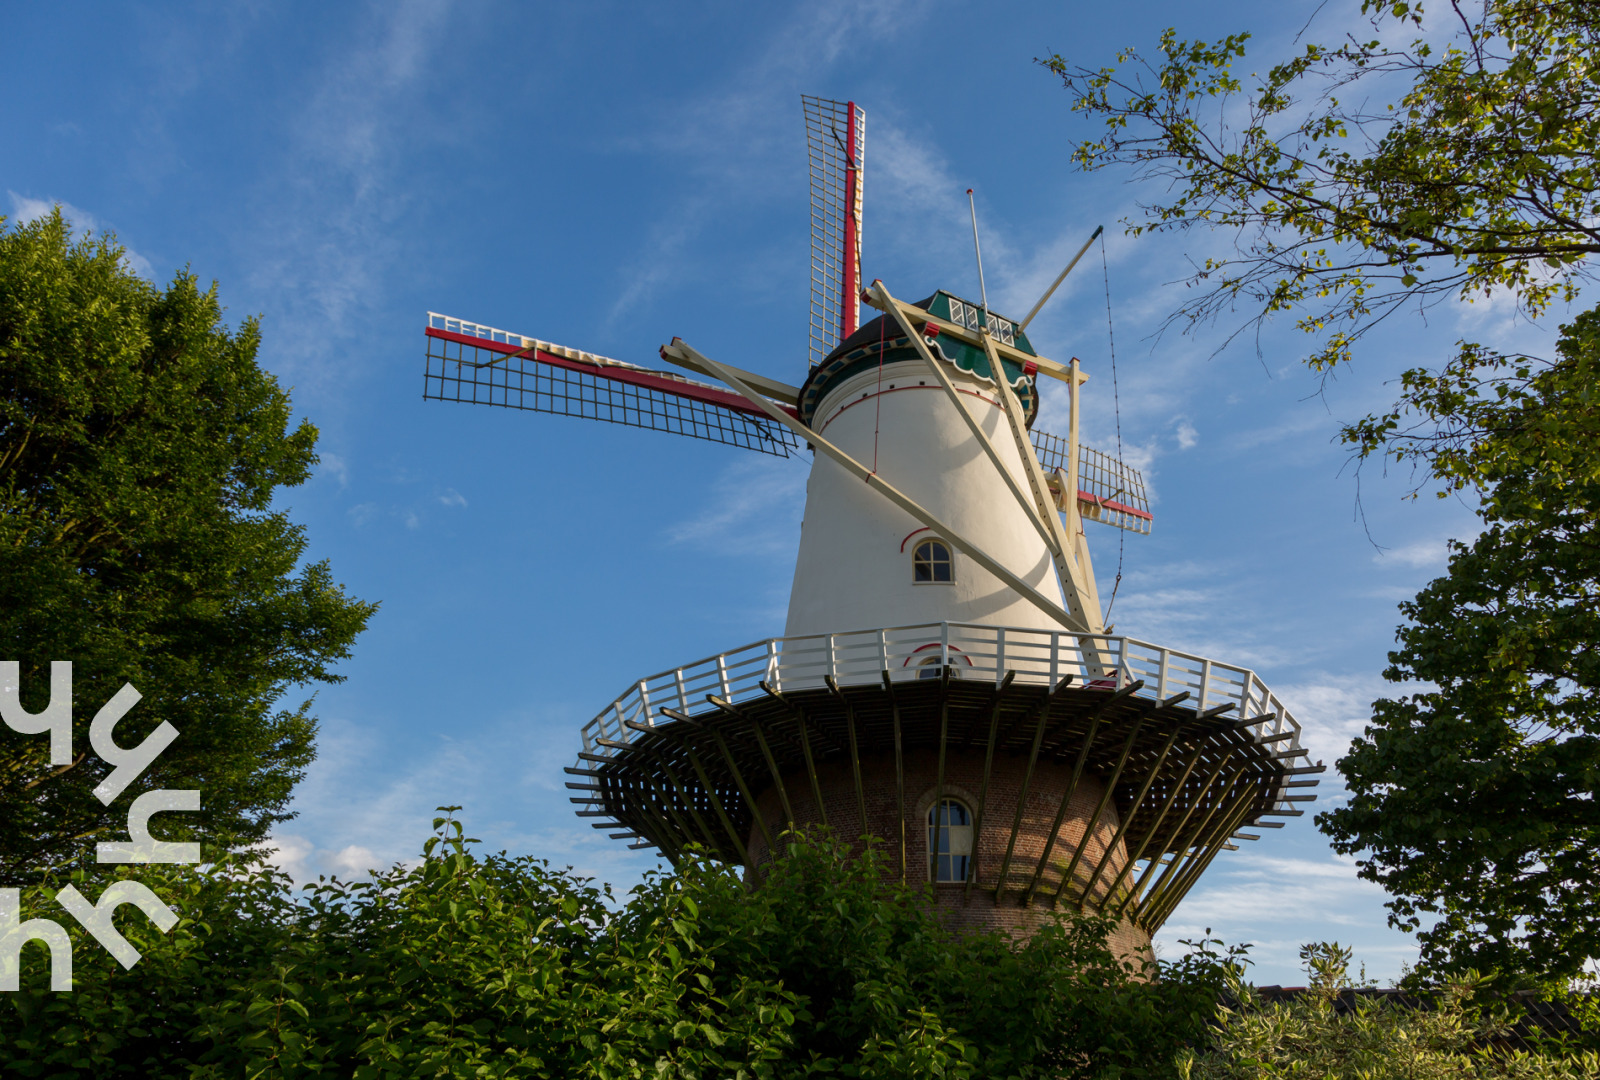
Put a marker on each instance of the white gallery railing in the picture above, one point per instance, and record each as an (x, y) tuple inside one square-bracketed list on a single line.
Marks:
[(975, 652)]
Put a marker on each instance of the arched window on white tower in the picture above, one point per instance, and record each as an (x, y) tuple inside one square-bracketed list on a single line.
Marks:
[(948, 854), (931, 563)]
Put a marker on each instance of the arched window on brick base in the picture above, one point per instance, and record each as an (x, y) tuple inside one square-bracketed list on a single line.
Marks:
[(950, 851)]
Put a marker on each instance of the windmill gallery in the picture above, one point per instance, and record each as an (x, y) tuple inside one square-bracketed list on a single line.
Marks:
[(945, 681)]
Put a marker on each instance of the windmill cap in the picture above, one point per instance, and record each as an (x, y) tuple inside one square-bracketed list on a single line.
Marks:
[(881, 341)]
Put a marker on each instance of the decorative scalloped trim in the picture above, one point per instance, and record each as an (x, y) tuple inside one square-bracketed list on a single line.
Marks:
[(1020, 380)]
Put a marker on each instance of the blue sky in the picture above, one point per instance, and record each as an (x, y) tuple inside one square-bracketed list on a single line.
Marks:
[(608, 176)]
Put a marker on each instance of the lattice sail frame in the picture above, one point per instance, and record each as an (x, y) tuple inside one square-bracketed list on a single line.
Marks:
[(836, 139), (481, 365), (1109, 491)]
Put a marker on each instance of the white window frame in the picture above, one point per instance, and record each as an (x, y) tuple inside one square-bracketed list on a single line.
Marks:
[(950, 557)]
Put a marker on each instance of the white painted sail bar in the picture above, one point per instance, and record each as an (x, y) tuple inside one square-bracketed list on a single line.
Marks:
[(975, 652)]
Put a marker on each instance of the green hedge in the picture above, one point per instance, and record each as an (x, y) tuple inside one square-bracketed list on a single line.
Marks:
[(468, 965)]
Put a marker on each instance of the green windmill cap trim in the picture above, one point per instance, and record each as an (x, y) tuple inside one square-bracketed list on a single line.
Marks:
[(860, 352)]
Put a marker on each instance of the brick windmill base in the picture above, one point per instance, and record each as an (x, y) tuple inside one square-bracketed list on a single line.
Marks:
[(1110, 797)]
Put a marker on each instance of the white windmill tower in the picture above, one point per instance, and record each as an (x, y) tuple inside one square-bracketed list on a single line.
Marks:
[(944, 680)]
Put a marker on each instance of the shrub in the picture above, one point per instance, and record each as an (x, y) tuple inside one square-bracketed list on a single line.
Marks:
[(498, 966)]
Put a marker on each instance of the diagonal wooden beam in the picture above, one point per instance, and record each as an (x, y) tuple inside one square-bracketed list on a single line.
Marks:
[(727, 759), (677, 834), (1195, 845), (1054, 543), (938, 784), (805, 747), (1105, 799), (1149, 834), (1083, 598), (683, 796), (1052, 368), (716, 804), (1179, 844), (893, 494), (1127, 820), (1215, 845), (1211, 849), (899, 771), (766, 752), (855, 751), (694, 760), (1027, 780), (983, 786), (1072, 782)]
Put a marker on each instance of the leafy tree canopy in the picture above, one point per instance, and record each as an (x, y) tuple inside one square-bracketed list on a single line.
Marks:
[(498, 966), (1360, 179), (1474, 801), (140, 451)]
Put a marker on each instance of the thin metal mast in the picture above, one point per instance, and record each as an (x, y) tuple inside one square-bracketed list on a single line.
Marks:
[(982, 288)]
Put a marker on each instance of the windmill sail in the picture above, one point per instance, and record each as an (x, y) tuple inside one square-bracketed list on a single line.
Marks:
[(1109, 491), (469, 362), (836, 139)]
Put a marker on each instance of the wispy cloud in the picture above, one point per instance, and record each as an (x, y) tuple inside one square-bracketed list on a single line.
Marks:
[(1260, 900), (367, 803), (753, 508), (1333, 709), (755, 107), (1421, 555), (336, 205)]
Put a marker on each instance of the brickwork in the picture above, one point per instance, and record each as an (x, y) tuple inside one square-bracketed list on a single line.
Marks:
[(975, 908)]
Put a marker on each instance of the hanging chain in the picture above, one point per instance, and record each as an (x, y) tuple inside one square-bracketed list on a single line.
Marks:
[(1116, 407)]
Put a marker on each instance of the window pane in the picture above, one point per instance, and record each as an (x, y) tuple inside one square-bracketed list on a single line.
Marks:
[(950, 851)]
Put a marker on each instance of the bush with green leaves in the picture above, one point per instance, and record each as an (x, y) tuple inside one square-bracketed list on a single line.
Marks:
[(471, 965), (1448, 1036)]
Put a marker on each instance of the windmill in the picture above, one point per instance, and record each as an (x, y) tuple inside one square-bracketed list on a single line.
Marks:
[(944, 681)]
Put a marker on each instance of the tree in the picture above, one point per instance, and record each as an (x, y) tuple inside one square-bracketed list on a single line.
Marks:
[(140, 451), (1472, 175), (1462, 171), (467, 965), (1476, 800)]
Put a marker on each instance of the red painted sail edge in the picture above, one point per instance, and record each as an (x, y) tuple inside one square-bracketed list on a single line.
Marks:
[(1095, 500), (850, 298), (724, 399)]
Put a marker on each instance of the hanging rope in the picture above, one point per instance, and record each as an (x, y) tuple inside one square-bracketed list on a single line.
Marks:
[(1116, 407)]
